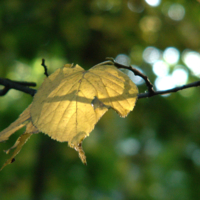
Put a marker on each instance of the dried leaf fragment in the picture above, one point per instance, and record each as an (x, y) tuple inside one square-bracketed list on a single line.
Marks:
[(18, 145), (20, 122), (23, 120)]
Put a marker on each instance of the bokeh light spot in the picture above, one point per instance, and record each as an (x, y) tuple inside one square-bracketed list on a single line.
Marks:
[(176, 12), (196, 157), (150, 24), (122, 59), (153, 3), (164, 83), (171, 55), (192, 60), (160, 68), (129, 147), (180, 76), (135, 6), (151, 55), (105, 5)]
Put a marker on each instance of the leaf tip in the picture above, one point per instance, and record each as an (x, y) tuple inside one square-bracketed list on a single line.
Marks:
[(81, 153)]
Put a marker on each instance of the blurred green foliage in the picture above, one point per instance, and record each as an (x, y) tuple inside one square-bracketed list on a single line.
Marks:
[(154, 153)]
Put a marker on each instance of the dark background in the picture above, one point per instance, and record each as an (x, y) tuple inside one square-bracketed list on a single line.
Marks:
[(154, 153)]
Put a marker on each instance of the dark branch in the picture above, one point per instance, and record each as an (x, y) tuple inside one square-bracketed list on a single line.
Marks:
[(45, 68), (24, 86), (17, 85), (4, 91), (25, 83), (145, 95), (149, 85)]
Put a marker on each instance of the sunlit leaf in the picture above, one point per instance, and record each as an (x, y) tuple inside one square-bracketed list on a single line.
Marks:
[(71, 101)]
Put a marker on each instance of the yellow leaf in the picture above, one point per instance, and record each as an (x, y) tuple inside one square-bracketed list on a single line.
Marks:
[(71, 101)]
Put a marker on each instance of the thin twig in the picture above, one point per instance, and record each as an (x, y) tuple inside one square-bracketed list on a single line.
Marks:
[(149, 85), (145, 95), (45, 68), (137, 73)]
